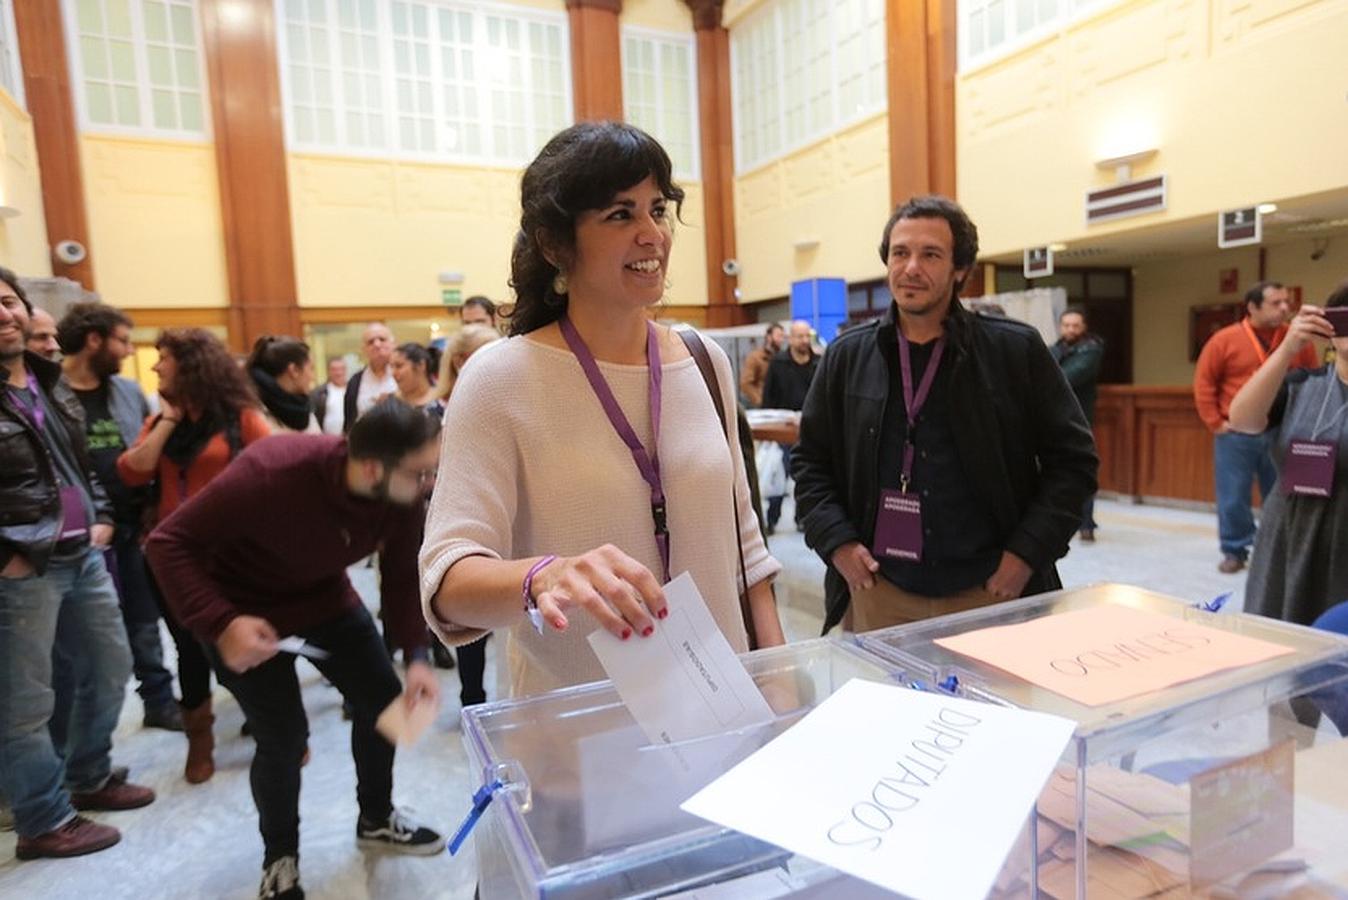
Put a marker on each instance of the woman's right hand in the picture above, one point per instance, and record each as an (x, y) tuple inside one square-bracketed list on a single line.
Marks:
[(1308, 323), (620, 593)]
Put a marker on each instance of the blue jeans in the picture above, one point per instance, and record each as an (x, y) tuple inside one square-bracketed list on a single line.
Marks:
[(1238, 459), (75, 603), (140, 612)]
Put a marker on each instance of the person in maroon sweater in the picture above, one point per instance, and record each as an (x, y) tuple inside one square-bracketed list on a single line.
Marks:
[(261, 554)]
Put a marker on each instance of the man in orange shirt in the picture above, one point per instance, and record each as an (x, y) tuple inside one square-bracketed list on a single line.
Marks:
[(1228, 360)]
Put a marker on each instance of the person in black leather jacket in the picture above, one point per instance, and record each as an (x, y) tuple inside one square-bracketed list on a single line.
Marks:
[(55, 523), (1002, 456), (30, 499)]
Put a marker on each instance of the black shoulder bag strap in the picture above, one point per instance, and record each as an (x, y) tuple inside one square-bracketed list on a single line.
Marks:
[(693, 341)]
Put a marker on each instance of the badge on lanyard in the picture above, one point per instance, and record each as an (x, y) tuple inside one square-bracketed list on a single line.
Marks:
[(898, 520), (898, 526), (74, 517), (1308, 468)]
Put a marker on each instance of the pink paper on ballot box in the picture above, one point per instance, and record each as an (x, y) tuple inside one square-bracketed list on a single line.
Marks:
[(1109, 653)]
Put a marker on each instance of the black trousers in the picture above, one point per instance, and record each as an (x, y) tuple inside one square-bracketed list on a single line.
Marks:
[(194, 669), (270, 697), (472, 665)]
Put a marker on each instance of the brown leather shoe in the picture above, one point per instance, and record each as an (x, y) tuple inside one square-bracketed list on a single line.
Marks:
[(199, 724), (1088, 535), (1230, 565), (112, 796), (75, 838)]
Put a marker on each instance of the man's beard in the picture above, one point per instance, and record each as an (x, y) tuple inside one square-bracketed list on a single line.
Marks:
[(8, 355), (382, 493), (104, 365)]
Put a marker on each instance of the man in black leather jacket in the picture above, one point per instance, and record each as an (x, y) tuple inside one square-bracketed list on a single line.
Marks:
[(55, 521), (978, 496)]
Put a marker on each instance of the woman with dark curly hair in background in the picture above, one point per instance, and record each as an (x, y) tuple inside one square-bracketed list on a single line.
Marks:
[(208, 414)]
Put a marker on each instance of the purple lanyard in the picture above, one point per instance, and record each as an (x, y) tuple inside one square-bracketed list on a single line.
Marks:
[(31, 408), (648, 463), (914, 402)]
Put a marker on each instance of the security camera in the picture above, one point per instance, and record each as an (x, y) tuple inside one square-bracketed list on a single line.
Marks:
[(1318, 250), (70, 252), (731, 267)]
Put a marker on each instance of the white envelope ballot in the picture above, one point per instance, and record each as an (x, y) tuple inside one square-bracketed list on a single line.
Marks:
[(684, 681)]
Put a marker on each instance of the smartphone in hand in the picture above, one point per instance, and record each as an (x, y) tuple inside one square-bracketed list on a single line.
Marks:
[(1338, 317)]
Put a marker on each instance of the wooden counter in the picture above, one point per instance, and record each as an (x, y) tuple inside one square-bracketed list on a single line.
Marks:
[(1152, 443)]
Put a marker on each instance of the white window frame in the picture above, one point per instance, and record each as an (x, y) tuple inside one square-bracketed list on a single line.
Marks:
[(771, 17), (392, 150), (15, 67), (688, 43), (147, 128), (1069, 13)]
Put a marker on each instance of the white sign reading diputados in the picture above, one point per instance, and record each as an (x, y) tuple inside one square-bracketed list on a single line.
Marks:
[(921, 793)]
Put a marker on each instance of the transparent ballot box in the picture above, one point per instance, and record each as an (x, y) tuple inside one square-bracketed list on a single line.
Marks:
[(1231, 784), (590, 807)]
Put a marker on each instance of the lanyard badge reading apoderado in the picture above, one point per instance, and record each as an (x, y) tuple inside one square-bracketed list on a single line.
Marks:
[(898, 520), (647, 462), (1308, 468)]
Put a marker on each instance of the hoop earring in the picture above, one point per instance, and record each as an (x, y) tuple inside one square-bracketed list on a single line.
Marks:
[(559, 285)]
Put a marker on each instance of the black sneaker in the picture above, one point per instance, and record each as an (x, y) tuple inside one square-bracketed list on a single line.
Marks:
[(281, 880), (164, 715), (401, 834)]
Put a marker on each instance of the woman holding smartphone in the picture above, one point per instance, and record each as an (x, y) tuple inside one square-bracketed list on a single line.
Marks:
[(1300, 564)]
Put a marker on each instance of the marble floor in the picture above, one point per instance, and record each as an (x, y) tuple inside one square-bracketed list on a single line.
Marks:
[(201, 841)]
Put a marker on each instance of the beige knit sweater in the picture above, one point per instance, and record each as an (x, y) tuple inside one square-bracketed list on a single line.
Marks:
[(530, 465)]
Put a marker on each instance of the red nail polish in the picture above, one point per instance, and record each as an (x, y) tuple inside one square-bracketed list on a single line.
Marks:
[(650, 630), (627, 633), (663, 614)]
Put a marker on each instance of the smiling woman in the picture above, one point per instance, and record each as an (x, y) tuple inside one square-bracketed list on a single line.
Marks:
[(608, 469), (591, 173)]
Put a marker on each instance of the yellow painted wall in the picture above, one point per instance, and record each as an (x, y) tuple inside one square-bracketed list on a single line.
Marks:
[(835, 191), (1163, 292), (734, 10), (664, 15), (381, 232), (1242, 97), (23, 238), (156, 236)]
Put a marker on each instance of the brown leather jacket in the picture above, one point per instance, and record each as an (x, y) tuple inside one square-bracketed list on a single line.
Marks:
[(753, 374)]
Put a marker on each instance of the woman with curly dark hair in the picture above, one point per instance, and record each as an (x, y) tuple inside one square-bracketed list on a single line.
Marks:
[(208, 414)]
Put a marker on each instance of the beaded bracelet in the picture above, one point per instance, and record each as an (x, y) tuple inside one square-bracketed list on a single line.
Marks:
[(527, 588)]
